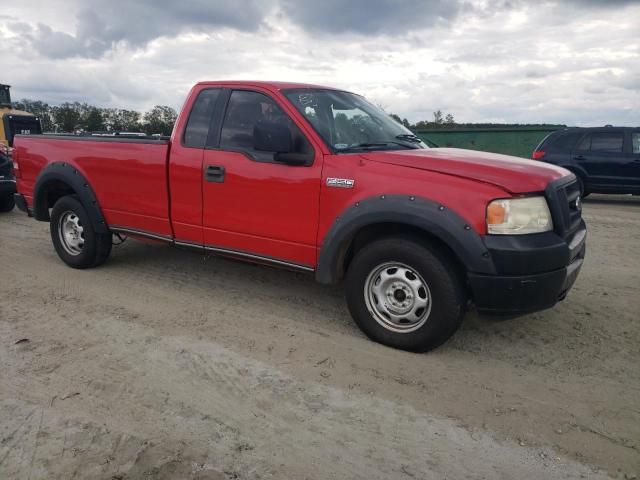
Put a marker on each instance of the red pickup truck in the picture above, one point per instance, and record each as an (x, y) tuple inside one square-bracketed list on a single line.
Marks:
[(320, 180)]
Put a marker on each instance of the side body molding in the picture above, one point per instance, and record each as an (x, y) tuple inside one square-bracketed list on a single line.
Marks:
[(431, 217), (68, 174)]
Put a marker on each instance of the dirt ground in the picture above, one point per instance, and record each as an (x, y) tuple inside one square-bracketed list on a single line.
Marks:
[(165, 364)]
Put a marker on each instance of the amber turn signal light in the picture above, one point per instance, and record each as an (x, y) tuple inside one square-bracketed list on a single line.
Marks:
[(496, 214)]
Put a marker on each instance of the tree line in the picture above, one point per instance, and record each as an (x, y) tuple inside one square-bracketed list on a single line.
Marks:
[(73, 117), (440, 120), (446, 120)]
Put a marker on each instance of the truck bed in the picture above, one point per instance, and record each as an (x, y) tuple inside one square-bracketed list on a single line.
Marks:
[(115, 165)]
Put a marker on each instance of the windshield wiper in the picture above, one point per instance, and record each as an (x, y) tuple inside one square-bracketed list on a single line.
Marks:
[(409, 137), (372, 145), (358, 146), (413, 147)]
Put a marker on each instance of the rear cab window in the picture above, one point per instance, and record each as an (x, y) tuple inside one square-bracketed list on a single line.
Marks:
[(197, 129)]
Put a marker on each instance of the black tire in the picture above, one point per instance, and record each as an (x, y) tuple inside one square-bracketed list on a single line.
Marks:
[(7, 203), (95, 248), (434, 266)]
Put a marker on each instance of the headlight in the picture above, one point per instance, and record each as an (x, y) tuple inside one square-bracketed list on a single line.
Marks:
[(511, 216)]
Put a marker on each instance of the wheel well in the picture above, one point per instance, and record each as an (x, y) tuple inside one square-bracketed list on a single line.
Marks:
[(52, 191), (577, 172), (370, 233), (581, 176)]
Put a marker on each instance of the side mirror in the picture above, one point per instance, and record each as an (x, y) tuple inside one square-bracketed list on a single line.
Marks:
[(296, 159), (272, 137), (276, 137)]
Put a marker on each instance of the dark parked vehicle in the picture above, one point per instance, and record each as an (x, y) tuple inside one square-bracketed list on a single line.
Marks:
[(7, 180), (605, 159)]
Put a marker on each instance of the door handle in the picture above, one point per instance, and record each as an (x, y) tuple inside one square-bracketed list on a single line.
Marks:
[(214, 174), (579, 157)]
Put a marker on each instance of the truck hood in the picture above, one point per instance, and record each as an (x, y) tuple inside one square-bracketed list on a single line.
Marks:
[(513, 174)]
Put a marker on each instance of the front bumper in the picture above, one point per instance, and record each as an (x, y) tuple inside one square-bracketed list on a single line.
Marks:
[(535, 272)]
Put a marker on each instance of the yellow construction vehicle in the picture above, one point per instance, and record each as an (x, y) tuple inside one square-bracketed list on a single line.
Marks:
[(14, 122)]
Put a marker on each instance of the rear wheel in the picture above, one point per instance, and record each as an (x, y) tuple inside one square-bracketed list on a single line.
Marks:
[(405, 294), (73, 235), (7, 203)]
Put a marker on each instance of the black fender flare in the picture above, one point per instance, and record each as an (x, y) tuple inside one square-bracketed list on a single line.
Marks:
[(68, 174), (434, 218)]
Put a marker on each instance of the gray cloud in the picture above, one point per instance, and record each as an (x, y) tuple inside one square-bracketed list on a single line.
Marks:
[(369, 16), (102, 25)]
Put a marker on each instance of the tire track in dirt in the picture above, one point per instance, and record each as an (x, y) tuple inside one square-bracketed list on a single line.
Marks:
[(257, 412)]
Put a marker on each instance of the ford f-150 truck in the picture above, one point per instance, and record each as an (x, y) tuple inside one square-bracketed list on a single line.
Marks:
[(320, 180)]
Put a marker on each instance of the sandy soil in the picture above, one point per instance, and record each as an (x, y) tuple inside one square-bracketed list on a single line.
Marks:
[(165, 364)]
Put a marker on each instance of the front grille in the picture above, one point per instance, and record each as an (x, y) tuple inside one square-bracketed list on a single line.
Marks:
[(565, 204), (572, 211)]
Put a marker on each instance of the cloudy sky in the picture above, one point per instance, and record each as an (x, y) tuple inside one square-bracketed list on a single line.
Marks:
[(575, 62)]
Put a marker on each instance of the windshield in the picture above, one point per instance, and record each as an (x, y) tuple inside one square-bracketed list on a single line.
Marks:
[(348, 122), (5, 100)]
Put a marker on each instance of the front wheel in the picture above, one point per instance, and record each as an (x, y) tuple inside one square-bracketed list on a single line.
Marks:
[(405, 294), (7, 203), (73, 235)]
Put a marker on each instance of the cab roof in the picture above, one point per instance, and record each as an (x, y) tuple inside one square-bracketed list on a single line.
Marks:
[(275, 85)]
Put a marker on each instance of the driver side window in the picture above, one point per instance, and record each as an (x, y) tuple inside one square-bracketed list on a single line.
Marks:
[(249, 115)]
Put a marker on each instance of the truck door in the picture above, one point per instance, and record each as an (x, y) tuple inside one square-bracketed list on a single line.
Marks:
[(601, 154), (254, 204), (185, 167)]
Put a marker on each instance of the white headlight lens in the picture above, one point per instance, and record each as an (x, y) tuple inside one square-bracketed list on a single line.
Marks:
[(519, 216)]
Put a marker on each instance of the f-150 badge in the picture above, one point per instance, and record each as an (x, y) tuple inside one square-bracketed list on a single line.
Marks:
[(340, 182)]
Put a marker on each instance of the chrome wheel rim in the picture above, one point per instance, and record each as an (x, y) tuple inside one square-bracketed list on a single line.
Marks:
[(71, 233), (397, 297)]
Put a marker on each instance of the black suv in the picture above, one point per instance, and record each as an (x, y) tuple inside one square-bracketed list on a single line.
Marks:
[(605, 159)]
